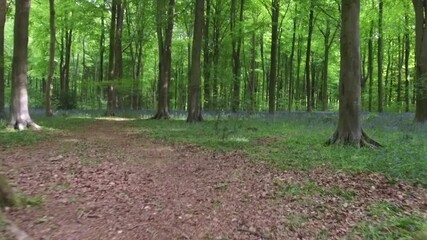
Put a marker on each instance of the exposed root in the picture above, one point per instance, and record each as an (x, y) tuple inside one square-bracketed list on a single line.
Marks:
[(161, 116), (22, 125), (364, 141)]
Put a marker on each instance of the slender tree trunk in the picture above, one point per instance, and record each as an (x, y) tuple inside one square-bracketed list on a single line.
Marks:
[(371, 66), (207, 59), (194, 85), (20, 118), (380, 57), (252, 83), (349, 130), (275, 10), (51, 71), (401, 46), (298, 88), (111, 91), (420, 7), (307, 59), (101, 61), (407, 71), (3, 11), (291, 66), (236, 42)]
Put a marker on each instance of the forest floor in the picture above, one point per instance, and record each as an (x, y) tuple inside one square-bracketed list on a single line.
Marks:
[(108, 181)]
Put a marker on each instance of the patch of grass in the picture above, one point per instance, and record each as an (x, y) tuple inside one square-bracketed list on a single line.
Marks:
[(296, 141), (390, 222), (22, 200), (294, 222), (51, 127), (311, 188)]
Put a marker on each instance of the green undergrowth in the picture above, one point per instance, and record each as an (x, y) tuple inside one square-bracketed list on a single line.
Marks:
[(390, 222), (51, 127), (298, 141)]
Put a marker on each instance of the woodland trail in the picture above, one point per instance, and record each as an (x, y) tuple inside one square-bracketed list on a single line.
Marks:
[(108, 181)]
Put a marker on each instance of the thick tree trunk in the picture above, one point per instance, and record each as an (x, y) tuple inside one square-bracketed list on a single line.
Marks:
[(275, 10), (420, 7), (51, 71), (66, 100), (3, 11), (349, 130), (20, 118), (194, 85), (164, 35), (111, 91)]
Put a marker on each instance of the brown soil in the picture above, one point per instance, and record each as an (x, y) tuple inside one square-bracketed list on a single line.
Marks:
[(109, 182)]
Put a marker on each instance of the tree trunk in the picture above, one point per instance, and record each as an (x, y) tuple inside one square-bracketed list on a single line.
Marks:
[(194, 85), (207, 59), (371, 66), (111, 91), (291, 66), (20, 118), (252, 84), (349, 130), (407, 56), (51, 71), (380, 57), (275, 10), (236, 43), (66, 42), (307, 59), (420, 7), (164, 35), (3, 11)]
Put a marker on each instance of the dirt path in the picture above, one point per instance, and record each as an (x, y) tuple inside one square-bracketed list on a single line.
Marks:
[(109, 182)]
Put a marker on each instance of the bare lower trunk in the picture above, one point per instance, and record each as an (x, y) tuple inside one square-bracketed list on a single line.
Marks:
[(2, 82), (20, 118), (349, 130)]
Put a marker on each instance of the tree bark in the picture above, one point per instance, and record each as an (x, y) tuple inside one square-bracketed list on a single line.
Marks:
[(407, 72), (349, 130), (164, 39), (371, 66), (207, 59), (20, 118), (236, 44), (307, 59), (3, 11), (420, 7), (275, 10), (380, 57), (51, 70), (194, 85)]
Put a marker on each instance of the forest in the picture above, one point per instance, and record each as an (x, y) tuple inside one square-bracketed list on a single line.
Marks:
[(256, 56), (311, 119)]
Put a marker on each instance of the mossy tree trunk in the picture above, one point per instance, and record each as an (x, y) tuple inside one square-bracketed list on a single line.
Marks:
[(349, 130)]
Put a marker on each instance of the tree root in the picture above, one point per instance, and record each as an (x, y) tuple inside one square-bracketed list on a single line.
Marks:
[(161, 116), (364, 141), (22, 125)]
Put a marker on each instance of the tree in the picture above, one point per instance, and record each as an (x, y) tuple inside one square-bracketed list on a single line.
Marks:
[(3, 11), (236, 45), (308, 57), (275, 10), (49, 86), (20, 118), (420, 7), (164, 40), (194, 85), (349, 130), (380, 57)]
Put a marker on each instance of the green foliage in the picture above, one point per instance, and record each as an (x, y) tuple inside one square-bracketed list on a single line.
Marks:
[(295, 141), (390, 222)]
